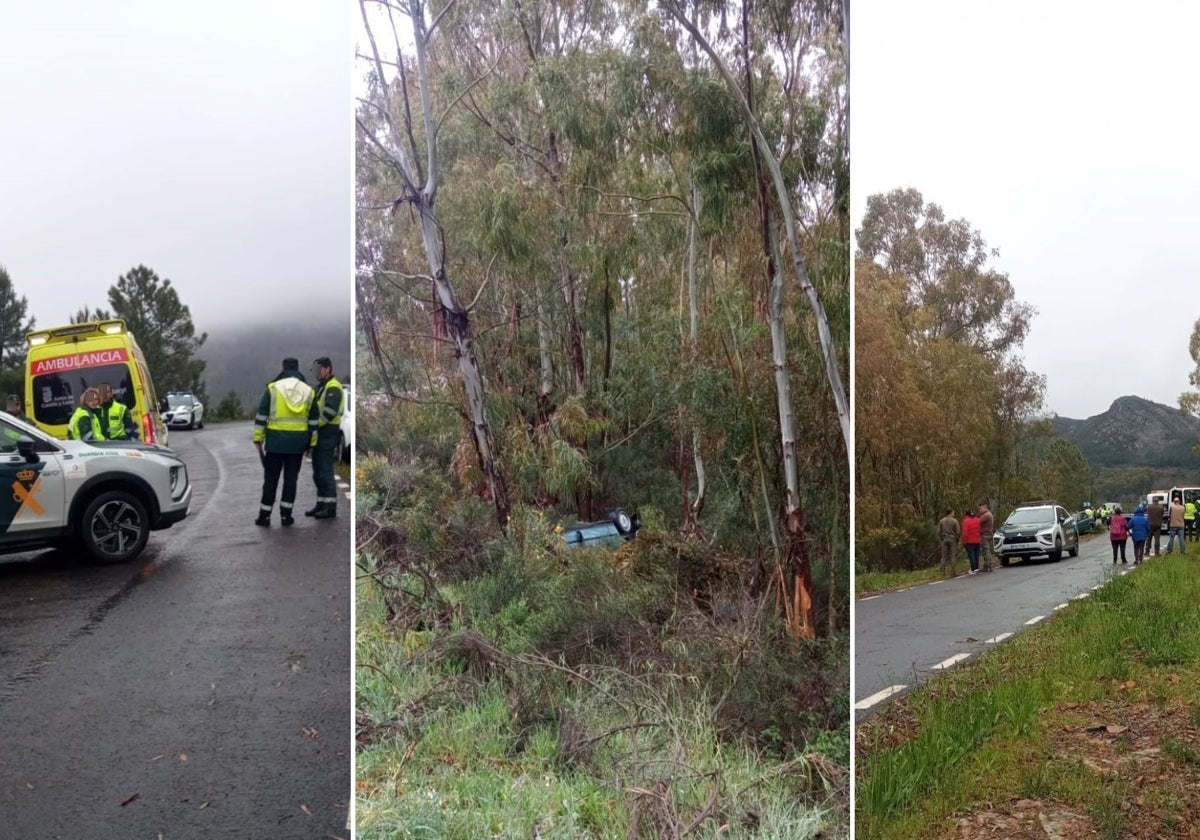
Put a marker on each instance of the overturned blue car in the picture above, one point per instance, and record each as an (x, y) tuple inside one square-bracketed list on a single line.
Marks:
[(618, 529)]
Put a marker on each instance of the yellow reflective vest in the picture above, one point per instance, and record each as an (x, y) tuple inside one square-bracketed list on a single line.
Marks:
[(77, 429)]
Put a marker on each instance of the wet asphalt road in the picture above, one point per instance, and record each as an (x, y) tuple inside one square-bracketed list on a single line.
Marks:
[(203, 690), (900, 636)]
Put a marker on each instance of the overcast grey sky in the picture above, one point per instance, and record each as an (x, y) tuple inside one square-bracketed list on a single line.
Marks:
[(211, 142), (1069, 139)]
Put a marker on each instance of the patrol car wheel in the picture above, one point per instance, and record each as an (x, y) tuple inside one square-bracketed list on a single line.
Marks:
[(1056, 554), (114, 528)]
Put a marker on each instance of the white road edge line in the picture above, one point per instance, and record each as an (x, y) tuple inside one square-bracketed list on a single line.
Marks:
[(951, 662), (1060, 606), (869, 598), (1081, 596), (995, 640), (1034, 620), (868, 702)]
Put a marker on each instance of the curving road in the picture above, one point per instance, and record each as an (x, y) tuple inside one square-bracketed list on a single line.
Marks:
[(203, 690), (904, 637)]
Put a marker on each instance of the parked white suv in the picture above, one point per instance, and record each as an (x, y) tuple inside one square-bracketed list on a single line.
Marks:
[(105, 497), (1036, 528)]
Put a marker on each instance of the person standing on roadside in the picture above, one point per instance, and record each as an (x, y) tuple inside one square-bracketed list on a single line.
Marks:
[(282, 434), (948, 535), (970, 538), (1139, 529), (329, 403), (1118, 532), (116, 416), (16, 408), (1189, 521), (987, 527), (1154, 515), (1175, 525), (85, 422)]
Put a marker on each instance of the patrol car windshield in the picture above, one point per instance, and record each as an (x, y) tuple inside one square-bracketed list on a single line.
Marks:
[(180, 400), (56, 395), (1032, 516)]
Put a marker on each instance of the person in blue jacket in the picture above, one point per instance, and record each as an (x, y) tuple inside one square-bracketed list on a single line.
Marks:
[(1139, 529)]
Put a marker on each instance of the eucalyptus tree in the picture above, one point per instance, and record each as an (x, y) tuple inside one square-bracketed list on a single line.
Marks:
[(409, 145), (791, 49)]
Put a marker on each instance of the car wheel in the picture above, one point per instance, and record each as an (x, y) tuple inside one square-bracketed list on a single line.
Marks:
[(621, 519), (1074, 549), (1003, 561), (1056, 554), (200, 424), (114, 527)]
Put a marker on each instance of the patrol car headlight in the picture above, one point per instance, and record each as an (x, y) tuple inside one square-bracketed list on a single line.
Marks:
[(178, 481)]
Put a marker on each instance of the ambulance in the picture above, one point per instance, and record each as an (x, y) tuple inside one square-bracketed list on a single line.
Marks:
[(63, 362)]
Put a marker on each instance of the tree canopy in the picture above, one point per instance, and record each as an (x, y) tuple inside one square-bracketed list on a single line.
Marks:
[(945, 407), (163, 327)]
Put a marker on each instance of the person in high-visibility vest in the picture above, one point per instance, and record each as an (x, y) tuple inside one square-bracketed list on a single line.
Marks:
[(86, 423), (329, 403), (282, 433), (1189, 520), (116, 416)]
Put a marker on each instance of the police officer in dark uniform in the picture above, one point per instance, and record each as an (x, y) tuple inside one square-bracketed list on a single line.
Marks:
[(329, 404)]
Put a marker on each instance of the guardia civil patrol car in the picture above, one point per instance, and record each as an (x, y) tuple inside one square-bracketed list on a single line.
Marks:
[(105, 497)]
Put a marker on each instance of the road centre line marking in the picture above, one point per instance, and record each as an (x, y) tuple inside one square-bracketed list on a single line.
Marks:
[(1034, 620), (951, 662), (868, 702), (996, 639)]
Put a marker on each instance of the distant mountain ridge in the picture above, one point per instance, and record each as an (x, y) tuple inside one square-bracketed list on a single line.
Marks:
[(1135, 432)]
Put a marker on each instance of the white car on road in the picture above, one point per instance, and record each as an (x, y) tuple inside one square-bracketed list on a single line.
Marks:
[(105, 497), (183, 411)]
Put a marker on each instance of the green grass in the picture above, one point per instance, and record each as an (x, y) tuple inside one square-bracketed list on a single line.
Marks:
[(872, 582), (536, 749), (980, 731)]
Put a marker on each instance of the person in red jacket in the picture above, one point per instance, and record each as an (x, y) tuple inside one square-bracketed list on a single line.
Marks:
[(1118, 533), (971, 537)]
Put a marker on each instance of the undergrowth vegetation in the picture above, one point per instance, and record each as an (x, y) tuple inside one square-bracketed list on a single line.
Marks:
[(511, 686), (1076, 712)]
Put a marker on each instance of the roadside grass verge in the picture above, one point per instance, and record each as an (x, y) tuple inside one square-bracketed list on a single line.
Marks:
[(1090, 718), (876, 583), (582, 701)]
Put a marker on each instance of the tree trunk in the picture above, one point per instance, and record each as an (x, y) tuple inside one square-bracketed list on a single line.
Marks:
[(693, 349), (457, 324)]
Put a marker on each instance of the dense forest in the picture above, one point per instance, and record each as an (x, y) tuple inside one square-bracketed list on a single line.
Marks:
[(603, 262), (947, 415)]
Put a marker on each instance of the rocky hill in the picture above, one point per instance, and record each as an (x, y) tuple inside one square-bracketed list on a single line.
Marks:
[(1135, 432)]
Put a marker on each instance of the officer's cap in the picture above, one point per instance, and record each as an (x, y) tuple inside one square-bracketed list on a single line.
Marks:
[(291, 364), (322, 361)]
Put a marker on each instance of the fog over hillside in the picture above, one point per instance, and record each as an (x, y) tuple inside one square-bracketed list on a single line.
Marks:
[(243, 358)]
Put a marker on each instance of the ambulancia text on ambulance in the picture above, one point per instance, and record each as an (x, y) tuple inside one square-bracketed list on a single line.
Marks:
[(63, 362)]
